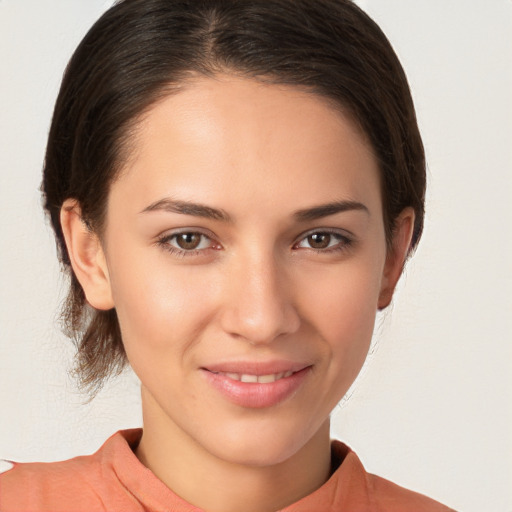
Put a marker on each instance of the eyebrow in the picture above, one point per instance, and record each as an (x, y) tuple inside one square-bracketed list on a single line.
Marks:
[(187, 208), (201, 210), (324, 210)]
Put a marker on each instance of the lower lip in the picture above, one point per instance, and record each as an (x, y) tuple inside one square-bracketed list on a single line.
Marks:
[(254, 394)]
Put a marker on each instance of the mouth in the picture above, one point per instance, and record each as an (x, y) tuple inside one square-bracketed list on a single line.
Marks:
[(254, 385), (261, 379)]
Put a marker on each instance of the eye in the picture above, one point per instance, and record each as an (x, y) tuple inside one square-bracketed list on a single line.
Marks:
[(323, 241), (186, 242), (190, 241)]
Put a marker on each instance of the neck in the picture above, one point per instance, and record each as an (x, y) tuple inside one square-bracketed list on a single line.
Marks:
[(216, 485)]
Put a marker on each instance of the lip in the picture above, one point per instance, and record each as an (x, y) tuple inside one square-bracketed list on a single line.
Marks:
[(255, 394), (255, 367)]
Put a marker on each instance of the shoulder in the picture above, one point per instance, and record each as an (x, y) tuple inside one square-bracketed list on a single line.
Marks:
[(44, 486), (86, 483), (390, 496), (380, 494)]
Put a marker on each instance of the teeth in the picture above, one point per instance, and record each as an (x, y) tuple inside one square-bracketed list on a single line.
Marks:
[(262, 379), (248, 378), (265, 379)]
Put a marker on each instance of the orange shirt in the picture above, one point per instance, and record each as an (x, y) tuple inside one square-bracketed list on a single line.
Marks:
[(114, 480)]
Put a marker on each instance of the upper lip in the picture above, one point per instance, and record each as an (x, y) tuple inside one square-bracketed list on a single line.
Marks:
[(256, 367)]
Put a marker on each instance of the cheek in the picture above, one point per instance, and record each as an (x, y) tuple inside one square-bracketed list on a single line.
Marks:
[(347, 295), (160, 308), (342, 308)]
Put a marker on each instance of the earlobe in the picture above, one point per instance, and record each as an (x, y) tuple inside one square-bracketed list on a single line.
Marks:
[(86, 256), (396, 256)]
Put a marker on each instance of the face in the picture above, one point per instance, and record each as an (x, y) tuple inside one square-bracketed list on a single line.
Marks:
[(246, 258)]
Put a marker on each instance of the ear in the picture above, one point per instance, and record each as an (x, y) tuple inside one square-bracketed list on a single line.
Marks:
[(87, 256), (396, 256)]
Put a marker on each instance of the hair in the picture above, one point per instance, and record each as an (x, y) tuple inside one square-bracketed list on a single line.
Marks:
[(139, 51)]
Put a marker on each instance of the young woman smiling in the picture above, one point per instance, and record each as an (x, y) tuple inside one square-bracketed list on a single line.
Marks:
[(235, 187)]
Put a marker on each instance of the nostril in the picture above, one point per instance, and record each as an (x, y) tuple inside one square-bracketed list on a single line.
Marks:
[(259, 327)]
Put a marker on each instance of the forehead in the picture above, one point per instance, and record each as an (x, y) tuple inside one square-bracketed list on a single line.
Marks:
[(222, 135)]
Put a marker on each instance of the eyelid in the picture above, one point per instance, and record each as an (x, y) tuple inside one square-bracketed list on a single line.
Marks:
[(163, 240), (169, 233), (330, 231), (345, 239)]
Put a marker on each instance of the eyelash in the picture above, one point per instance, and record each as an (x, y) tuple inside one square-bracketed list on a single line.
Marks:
[(343, 244), (164, 242)]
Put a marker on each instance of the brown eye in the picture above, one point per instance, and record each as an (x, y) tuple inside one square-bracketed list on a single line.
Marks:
[(188, 241), (319, 240), (324, 241)]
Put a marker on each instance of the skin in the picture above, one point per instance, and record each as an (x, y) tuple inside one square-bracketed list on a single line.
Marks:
[(256, 289)]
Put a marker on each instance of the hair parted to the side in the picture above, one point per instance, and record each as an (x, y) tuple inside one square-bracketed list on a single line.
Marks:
[(141, 50)]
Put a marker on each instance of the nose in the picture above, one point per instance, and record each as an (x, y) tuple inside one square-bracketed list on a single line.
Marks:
[(259, 303)]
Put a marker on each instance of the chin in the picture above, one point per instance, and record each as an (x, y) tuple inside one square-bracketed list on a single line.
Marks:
[(263, 445), (257, 454)]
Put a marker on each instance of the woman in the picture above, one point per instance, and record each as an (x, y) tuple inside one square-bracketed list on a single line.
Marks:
[(234, 187)]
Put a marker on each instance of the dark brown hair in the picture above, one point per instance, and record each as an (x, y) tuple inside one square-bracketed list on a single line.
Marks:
[(141, 50)]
